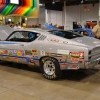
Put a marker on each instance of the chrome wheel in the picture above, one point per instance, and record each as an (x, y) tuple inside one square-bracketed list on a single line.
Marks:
[(49, 67)]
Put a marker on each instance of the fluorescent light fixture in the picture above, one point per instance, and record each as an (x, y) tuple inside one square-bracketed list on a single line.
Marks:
[(82, 1), (53, 2), (40, 4), (14, 1)]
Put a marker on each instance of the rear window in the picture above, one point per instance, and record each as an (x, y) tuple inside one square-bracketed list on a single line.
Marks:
[(66, 34)]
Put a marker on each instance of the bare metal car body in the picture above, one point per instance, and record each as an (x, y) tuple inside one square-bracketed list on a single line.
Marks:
[(43, 47)]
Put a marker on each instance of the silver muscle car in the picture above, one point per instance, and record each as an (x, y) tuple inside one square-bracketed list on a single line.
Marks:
[(51, 50)]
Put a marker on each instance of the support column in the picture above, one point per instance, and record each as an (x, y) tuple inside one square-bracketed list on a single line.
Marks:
[(99, 10), (64, 12), (20, 20), (46, 16)]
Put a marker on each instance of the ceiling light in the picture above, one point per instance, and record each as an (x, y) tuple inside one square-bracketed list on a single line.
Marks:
[(82, 1), (40, 4), (53, 2)]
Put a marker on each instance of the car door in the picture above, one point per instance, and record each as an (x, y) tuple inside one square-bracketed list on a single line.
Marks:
[(17, 47), (12, 48), (13, 44)]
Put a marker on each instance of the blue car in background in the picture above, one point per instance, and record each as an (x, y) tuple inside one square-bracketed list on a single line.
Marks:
[(48, 26), (85, 31)]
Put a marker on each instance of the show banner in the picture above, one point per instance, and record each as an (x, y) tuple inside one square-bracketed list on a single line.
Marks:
[(29, 8)]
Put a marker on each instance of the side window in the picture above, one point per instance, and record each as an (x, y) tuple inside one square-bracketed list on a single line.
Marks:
[(23, 36), (16, 35)]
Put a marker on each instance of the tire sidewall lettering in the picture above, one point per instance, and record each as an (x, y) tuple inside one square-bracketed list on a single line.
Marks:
[(48, 58), (51, 76)]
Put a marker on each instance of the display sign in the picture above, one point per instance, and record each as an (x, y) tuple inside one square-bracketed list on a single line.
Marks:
[(28, 8), (14, 1)]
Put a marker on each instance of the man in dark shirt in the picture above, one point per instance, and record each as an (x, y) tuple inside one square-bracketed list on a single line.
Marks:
[(79, 25)]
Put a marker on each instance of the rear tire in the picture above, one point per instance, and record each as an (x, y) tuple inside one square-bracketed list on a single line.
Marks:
[(50, 68)]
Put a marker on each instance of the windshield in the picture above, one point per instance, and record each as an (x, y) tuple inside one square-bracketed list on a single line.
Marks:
[(65, 34)]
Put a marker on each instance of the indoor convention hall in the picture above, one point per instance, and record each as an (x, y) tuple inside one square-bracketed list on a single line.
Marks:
[(49, 49)]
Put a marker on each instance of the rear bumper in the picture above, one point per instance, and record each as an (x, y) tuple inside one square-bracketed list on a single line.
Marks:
[(76, 66), (92, 64)]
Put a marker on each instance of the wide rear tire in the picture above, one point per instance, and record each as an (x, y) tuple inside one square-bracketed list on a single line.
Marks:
[(50, 68)]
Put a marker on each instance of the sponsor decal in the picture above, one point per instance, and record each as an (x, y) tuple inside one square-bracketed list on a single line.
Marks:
[(31, 60), (8, 58), (75, 60), (63, 51), (65, 56), (20, 53), (5, 52), (34, 52), (36, 62), (28, 60), (56, 55), (15, 51), (23, 60), (2, 58), (10, 52), (74, 54), (42, 53), (54, 40), (77, 56), (64, 64), (35, 58), (14, 59), (28, 52), (47, 54)]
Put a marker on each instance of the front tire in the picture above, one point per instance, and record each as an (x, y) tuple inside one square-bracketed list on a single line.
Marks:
[(50, 68)]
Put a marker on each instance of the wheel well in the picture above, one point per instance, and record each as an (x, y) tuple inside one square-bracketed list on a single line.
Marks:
[(47, 56)]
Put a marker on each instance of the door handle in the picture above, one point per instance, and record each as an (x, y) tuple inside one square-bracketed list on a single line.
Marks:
[(21, 44)]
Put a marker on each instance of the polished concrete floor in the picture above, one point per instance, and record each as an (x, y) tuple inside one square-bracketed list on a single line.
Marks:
[(18, 82)]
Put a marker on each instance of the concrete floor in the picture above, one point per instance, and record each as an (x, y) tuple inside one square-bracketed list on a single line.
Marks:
[(17, 83)]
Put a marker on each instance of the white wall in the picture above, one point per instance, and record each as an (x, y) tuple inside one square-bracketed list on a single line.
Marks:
[(77, 13), (40, 20), (74, 13), (55, 17), (42, 15), (92, 15)]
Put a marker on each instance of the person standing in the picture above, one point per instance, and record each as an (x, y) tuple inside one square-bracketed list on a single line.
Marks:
[(79, 25), (17, 26), (96, 30)]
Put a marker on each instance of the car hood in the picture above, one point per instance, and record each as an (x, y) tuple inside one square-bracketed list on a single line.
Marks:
[(86, 41)]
